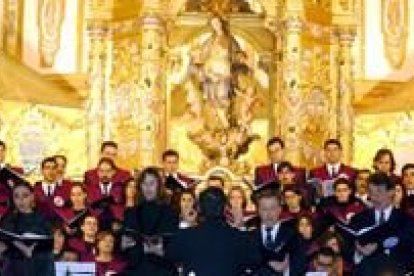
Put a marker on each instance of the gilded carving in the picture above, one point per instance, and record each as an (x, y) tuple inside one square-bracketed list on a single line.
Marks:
[(346, 91), (315, 130), (226, 6), (394, 23), (222, 96), (12, 26), (392, 130), (35, 131), (50, 19), (207, 96)]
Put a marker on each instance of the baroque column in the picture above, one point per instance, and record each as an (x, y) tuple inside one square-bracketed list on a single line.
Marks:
[(346, 91), (291, 90), (112, 59), (343, 18), (97, 103), (152, 79)]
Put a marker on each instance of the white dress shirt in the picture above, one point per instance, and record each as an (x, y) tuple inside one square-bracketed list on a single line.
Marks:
[(45, 187), (333, 169), (387, 213), (410, 192), (275, 230), (275, 165), (106, 188)]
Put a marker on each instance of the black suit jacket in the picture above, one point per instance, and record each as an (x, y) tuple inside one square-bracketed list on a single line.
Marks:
[(213, 248), (286, 242), (149, 219), (399, 227)]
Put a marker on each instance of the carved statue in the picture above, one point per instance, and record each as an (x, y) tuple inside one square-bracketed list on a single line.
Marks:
[(221, 96), (51, 15), (395, 30)]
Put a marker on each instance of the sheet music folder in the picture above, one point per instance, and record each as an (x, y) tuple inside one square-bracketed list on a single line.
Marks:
[(25, 237), (7, 174)]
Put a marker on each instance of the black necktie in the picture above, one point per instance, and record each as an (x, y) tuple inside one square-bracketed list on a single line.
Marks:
[(382, 217), (105, 189), (49, 190), (333, 172), (268, 237)]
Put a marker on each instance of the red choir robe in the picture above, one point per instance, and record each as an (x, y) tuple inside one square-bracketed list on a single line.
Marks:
[(73, 219), (85, 250), (115, 210), (287, 215), (267, 173), (115, 267), (91, 177), (47, 204), (331, 212), (322, 175), (396, 179)]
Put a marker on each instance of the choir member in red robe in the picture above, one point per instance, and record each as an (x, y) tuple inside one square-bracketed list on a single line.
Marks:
[(267, 173), (286, 177), (294, 206), (107, 263), (107, 189), (85, 244), (109, 149), (339, 208), (333, 168), (62, 163), (75, 210), (48, 194)]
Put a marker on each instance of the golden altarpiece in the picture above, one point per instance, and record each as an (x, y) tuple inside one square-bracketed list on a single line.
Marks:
[(212, 79)]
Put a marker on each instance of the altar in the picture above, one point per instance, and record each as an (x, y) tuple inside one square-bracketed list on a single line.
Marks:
[(213, 80)]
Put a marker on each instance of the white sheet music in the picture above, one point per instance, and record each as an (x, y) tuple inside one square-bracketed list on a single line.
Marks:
[(316, 274), (328, 187), (75, 269)]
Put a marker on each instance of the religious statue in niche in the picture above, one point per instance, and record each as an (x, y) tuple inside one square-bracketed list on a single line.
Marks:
[(50, 19), (222, 97), (395, 30)]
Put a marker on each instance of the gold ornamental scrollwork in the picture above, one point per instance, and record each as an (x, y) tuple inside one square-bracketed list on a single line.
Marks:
[(50, 20), (394, 23)]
